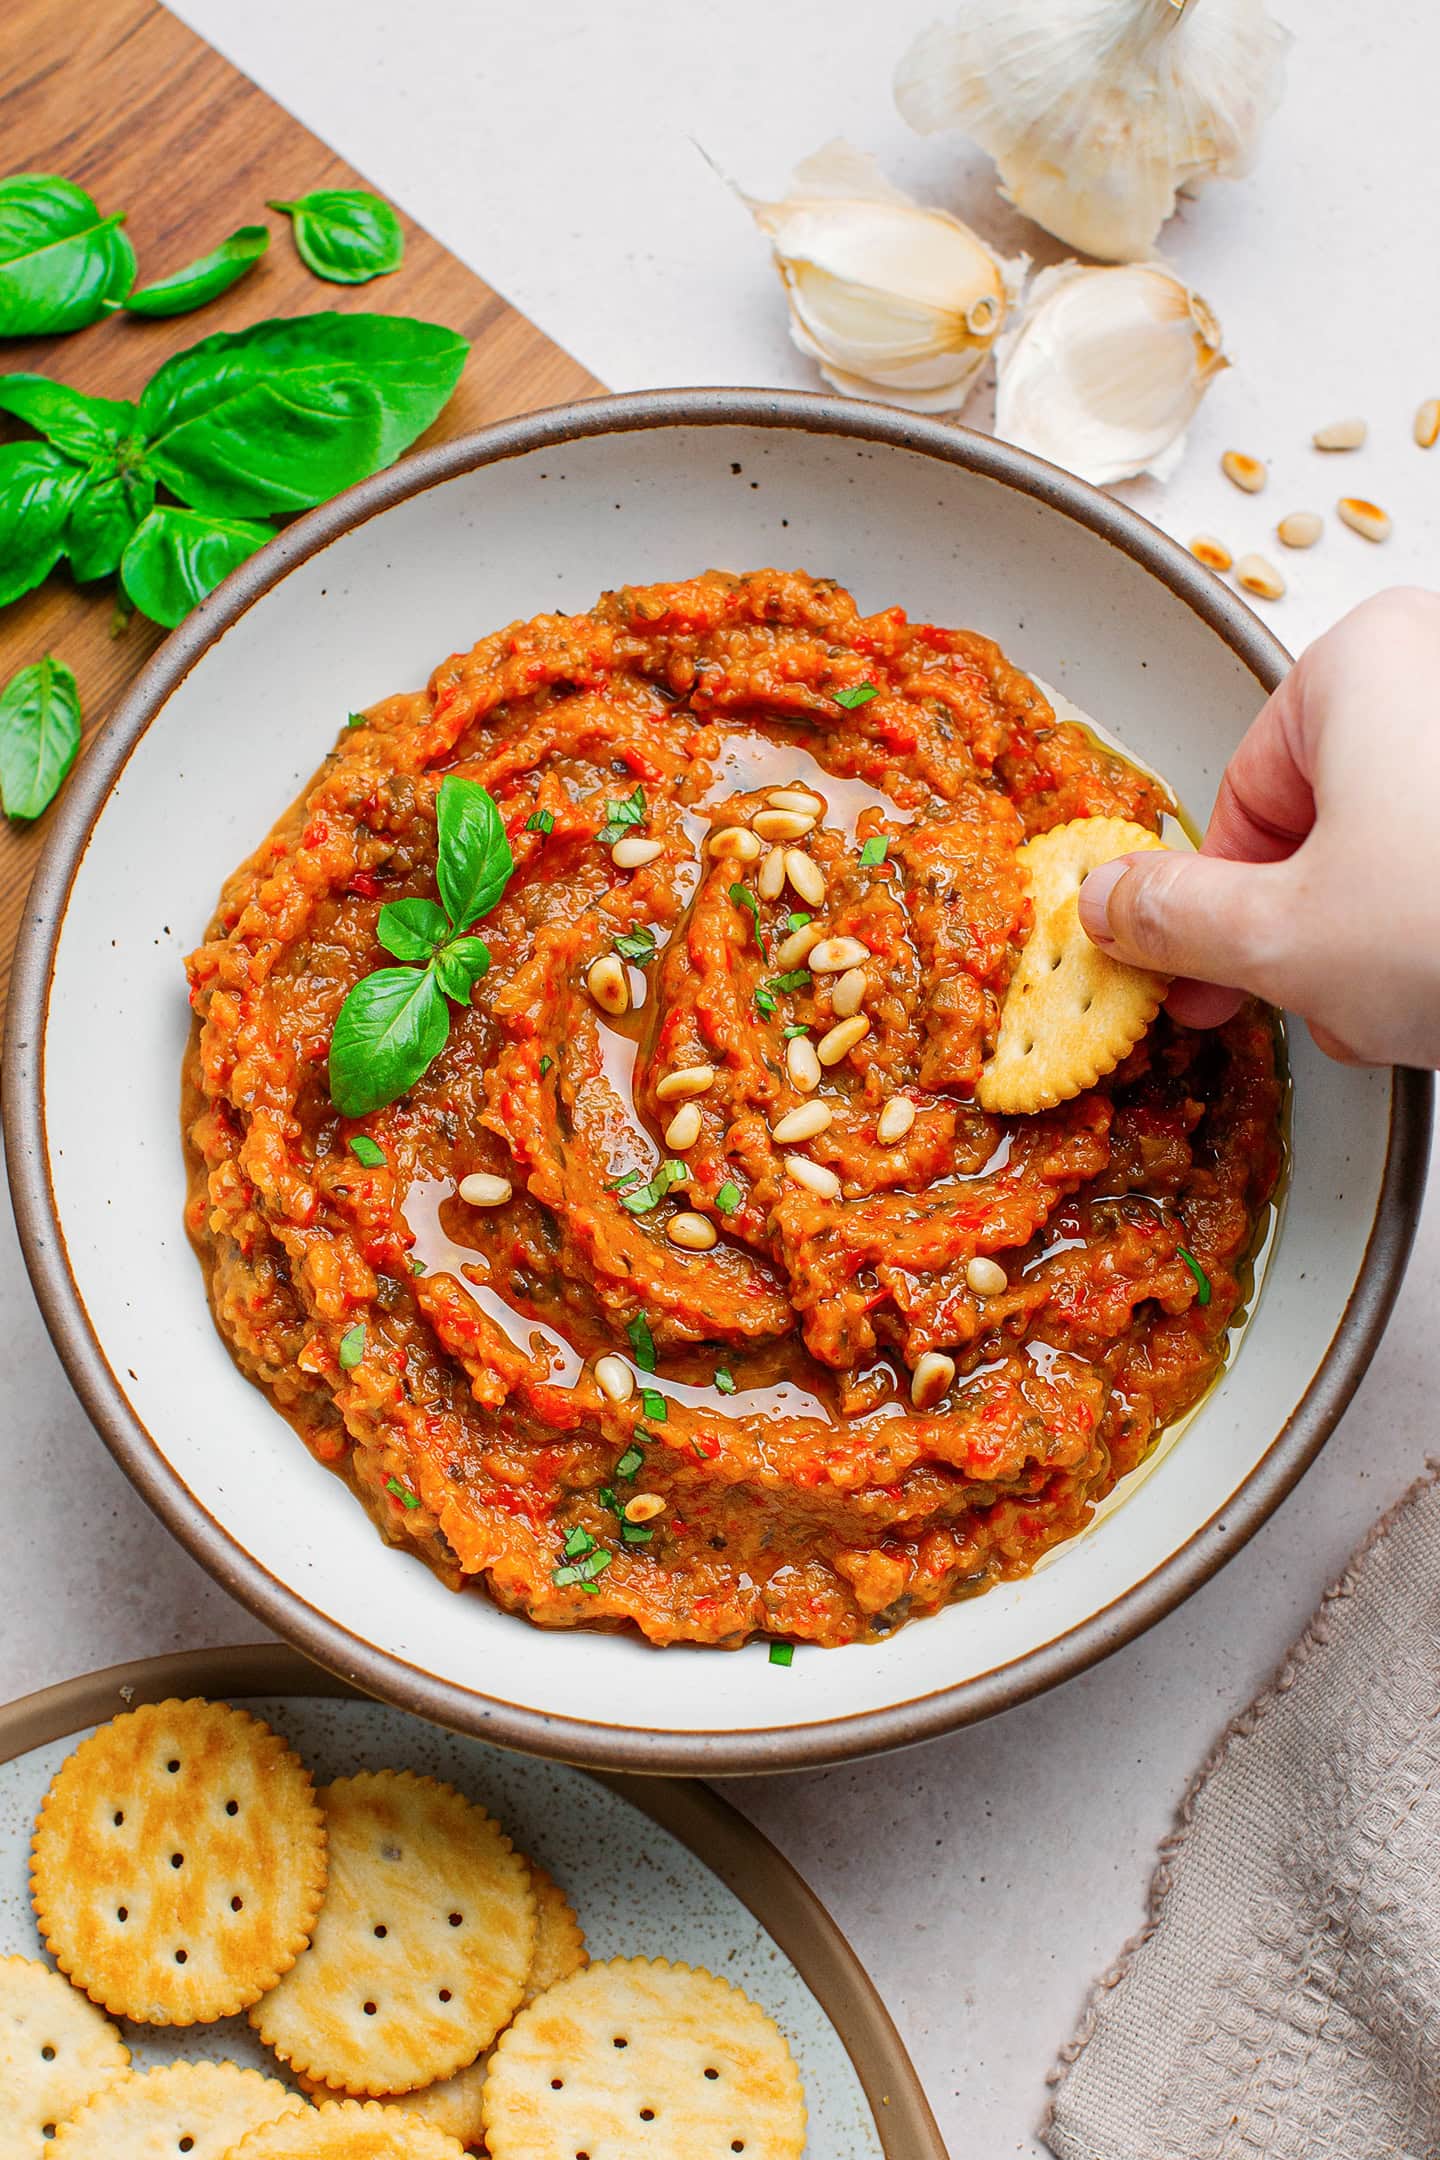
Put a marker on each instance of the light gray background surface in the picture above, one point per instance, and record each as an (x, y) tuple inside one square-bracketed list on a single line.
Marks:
[(983, 1879)]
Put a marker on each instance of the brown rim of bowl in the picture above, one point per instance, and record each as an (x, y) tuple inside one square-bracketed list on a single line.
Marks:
[(719, 1836), (381, 1672)]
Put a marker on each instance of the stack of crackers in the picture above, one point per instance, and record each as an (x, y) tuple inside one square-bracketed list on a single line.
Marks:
[(424, 1985)]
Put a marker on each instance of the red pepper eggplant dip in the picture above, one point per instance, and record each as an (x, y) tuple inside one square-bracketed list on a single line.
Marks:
[(687, 1288)]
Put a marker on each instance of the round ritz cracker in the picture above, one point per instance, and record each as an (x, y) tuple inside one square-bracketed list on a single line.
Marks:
[(454, 2104), (422, 1947), (347, 2130), (1071, 1013), (178, 1862), (640, 2055), (199, 2108), (56, 2050)]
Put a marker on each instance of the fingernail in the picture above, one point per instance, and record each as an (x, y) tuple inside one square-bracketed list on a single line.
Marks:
[(1095, 891)]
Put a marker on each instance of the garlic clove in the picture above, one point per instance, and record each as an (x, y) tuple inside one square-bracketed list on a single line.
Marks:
[(1097, 115), (1107, 369), (884, 294)]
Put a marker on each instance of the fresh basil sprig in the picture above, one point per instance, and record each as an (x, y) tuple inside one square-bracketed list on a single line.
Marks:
[(395, 1022), (345, 235), (243, 426), (61, 264), (202, 280), (39, 735)]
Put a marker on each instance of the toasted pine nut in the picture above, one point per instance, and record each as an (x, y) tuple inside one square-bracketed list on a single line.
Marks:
[(848, 994), (608, 984), (796, 798), (805, 1122), (806, 876), (1259, 576), (1246, 472), (480, 1189), (1340, 435), (683, 1129), (1213, 553), (771, 881), (614, 1378), (1427, 423), (692, 1233), (894, 1120), (796, 949), (644, 1507), (986, 1277), (1365, 518), (633, 853), (802, 1064), (1300, 530), (834, 954), (782, 824), (735, 840), (931, 1379), (685, 1080), (841, 1039), (813, 1176)]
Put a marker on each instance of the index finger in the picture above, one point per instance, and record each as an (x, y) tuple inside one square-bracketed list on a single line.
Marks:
[(1266, 805)]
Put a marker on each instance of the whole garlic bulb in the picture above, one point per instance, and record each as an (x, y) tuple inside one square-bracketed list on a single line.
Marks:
[(1097, 112), (890, 298), (1107, 369)]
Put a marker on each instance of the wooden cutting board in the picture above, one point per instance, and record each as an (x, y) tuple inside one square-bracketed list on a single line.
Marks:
[(120, 96)]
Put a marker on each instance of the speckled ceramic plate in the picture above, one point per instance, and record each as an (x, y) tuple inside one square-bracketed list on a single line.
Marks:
[(359, 599), (653, 1867)]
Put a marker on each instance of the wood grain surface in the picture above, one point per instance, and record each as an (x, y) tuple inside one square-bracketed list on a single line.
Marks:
[(120, 96)]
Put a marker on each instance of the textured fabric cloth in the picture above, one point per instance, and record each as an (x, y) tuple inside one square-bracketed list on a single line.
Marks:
[(1284, 1998)]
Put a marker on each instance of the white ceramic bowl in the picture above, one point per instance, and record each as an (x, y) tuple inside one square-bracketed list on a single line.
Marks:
[(361, 598)]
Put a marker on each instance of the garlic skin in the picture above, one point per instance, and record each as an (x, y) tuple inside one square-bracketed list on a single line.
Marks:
[(1107, 369), (1098, 112), (892, 299)]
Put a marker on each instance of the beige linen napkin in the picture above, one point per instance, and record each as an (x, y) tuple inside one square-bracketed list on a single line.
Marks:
[(1284, 1998)]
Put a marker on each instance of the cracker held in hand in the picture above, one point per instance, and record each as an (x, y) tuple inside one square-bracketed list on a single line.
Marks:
[(178, 1862), (422, 1948), (349, 2130), (633, 2051), (56, 2050), (199, 2108), (1071, 1013)]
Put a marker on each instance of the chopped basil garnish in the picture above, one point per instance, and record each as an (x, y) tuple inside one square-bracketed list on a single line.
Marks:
[(417, 1267), (653, 1405), (545, 1065), (765, 1002), (797, 1027), (627, 1177), (406, 1499), (743, 897), (648, 1196), (782, 1653), (634, 1533), (724, 1380), (356, 719), (798, 920), (1202, 1294), (859, 693), (352, 1346), (728, 1198), (642, 1342), (541, 821), (367, 1151), (873, 852), (795, 980), (637, 946), (578, 1543), (630, 1463), (621, 816)]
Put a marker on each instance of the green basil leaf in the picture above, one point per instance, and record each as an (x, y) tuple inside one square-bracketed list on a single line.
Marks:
[(474, 861), (345, 235), (60, 261), (39, 735), (107, 513), (84, 428), (392, 1025), (205, 278), (37, 489), (412, 929), (325, 381), (175, 557), (460, 966)]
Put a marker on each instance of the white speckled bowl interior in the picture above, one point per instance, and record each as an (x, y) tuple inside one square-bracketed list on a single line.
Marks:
[(363, 598)]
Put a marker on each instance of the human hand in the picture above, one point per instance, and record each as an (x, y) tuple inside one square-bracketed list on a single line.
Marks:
[(1318, 884)]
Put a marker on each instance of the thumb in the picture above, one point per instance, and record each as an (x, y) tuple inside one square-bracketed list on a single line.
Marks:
[(1192, 915)]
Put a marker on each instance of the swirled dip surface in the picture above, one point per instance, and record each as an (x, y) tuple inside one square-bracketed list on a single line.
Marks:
[(804, 1493)]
